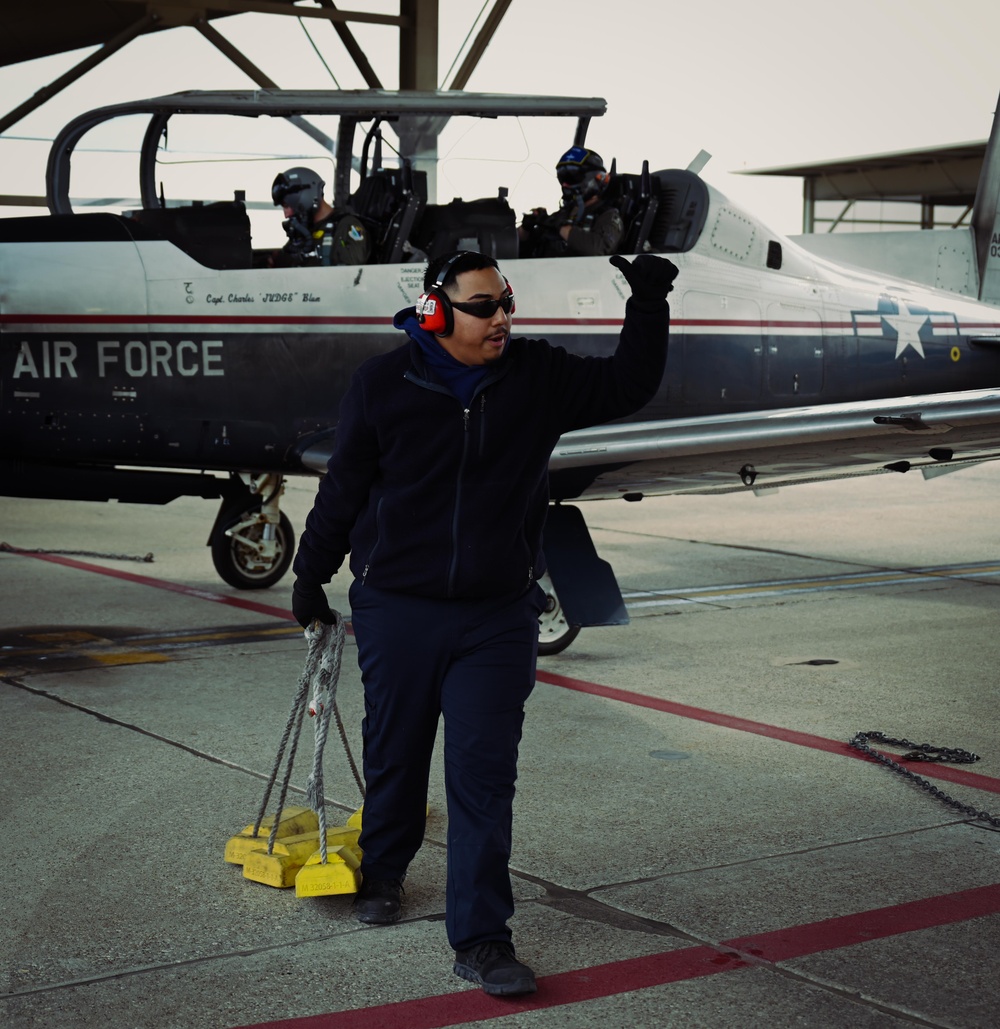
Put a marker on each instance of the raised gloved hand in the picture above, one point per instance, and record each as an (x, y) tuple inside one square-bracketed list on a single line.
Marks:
[(650, 277), (309, 604)]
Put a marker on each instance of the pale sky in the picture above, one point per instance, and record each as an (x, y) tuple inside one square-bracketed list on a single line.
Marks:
[(755, 84)]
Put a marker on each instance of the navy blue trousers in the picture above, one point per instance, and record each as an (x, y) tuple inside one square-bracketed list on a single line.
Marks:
[(472, 662)]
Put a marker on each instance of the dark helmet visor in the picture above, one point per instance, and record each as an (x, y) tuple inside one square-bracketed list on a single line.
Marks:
[(570, 174)]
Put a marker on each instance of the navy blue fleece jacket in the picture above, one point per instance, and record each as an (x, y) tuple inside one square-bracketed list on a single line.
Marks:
[(438, 499)]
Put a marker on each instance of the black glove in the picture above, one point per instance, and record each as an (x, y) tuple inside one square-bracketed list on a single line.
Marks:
[(309, 604), (651, 278)]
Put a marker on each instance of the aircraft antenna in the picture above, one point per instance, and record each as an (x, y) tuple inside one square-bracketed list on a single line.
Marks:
[(702, 158)]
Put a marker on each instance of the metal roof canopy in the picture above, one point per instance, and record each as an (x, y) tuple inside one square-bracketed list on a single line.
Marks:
[(46, 27), (938, 176), (425, 111)]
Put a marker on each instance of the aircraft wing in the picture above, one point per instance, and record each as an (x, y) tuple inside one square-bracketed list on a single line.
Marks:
[(767, 449)]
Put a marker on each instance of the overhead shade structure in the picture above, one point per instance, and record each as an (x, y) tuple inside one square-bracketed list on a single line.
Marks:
[(932, 177)]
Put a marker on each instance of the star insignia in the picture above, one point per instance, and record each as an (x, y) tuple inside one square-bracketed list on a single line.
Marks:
[(907, 327)]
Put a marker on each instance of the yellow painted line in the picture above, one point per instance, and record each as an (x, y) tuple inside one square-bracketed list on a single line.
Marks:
[(128, 657), (129, 650), (73, 636)]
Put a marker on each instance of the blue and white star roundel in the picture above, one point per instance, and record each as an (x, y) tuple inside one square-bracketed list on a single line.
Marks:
[(907, 325)]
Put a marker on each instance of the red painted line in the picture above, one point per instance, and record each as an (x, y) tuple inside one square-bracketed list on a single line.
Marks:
[(160, 584), (803, 739), (618, 977), (575, 987), (832, 933)]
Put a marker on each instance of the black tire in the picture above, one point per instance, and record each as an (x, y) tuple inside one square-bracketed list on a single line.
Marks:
[(555, 634), (236, 563)]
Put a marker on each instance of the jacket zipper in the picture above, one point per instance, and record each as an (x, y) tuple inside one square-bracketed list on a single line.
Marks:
[(453, 570), (378, 537)]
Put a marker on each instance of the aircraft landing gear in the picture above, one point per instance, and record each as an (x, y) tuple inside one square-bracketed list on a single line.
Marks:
[(253, 542), (555, 634)]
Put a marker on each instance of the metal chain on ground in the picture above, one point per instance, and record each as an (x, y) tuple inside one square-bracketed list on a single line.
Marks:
[(923, 752), (9, 548)]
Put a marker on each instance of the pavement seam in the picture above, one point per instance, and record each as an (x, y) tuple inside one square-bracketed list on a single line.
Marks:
[(193, 751)]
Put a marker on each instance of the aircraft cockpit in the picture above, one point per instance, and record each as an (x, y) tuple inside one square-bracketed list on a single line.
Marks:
[(663, 211)]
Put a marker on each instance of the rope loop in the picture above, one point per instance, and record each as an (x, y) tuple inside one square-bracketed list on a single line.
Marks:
[(319, 678)]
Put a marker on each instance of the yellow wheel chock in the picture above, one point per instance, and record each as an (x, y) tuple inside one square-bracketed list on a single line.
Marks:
[(280, 867), (339, 874), (299, 850), (293, 822)]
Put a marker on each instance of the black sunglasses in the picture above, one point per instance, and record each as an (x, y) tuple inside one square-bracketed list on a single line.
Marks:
[(486, 308)]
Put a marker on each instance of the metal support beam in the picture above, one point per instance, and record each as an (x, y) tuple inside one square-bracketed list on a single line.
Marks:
[(482, 41), (252, 71), (91, 61), (21, 200), (418, 45), (808, 204), (197, 8), (840, 217), (353, 49)]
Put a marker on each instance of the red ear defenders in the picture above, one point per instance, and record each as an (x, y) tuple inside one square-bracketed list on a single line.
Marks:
[(435, 311)]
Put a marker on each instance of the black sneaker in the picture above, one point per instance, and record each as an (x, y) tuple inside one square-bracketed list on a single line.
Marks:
[(494, 967), (378, 901)]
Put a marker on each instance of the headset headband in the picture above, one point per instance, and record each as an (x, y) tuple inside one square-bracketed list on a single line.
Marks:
[(448, 265)]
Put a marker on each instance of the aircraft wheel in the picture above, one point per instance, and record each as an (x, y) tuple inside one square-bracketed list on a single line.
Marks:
[(555, 634), (240, 566)]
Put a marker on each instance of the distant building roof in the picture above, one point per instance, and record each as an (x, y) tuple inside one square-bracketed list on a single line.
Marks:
[(940, 176), (946, 175)]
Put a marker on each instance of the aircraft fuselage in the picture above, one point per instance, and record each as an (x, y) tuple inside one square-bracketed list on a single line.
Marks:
[(133, 353)]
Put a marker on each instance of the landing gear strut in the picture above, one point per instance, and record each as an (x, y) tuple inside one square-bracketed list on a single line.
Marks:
[(252, 542)]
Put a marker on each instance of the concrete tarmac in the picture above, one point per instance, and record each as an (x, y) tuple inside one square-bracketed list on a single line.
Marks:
[(696, 845)]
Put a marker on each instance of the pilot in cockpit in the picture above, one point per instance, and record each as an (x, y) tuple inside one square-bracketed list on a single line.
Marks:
[(587, 224), (317, 234)]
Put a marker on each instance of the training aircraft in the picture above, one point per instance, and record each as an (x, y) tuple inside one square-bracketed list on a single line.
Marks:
[(155, 353)]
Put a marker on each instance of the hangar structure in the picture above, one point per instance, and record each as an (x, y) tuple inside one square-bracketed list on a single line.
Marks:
[(910, 189), (926, 188), (47, 27)]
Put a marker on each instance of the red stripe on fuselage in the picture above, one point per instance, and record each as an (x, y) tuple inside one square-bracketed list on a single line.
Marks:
[(817, 328)]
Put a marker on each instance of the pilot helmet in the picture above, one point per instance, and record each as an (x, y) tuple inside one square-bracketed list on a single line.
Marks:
[(581, 173), (301, 189)]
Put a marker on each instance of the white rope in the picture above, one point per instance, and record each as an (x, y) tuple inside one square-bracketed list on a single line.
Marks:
[(320, 675), (328, 642)]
